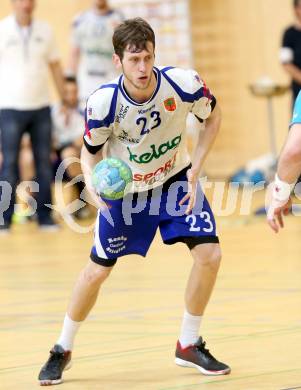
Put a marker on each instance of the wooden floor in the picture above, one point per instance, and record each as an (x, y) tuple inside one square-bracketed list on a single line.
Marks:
[(253, 321)]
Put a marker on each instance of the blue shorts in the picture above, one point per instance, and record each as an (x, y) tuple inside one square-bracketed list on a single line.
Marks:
[(130, 224)]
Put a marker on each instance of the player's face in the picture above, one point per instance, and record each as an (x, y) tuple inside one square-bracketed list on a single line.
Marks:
[(23, 7), (70, 94), (138, 67)]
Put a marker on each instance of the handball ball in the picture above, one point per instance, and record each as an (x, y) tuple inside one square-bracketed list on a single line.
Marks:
[(110, 178)]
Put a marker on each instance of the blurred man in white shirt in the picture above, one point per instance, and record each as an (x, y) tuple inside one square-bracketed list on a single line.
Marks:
[(27, 52)]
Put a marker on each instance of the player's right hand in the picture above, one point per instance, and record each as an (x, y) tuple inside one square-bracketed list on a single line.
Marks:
[(192, 179)]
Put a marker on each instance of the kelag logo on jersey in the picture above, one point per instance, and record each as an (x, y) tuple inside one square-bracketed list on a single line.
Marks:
[(145, 158), (170, 104)]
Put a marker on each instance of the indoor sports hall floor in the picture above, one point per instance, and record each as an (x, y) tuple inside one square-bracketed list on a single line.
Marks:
[(253, 321)]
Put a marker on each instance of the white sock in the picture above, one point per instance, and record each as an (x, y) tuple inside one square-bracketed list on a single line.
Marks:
[(68, 333), (190, 329)]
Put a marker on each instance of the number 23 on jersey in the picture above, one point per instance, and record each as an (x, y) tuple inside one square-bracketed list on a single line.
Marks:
[(142, 121)]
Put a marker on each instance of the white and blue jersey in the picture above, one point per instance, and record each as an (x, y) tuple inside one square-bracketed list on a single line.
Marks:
[(151, 138), (92, 35)]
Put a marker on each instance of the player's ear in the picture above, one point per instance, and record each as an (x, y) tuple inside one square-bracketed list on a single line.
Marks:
[(116, 61)]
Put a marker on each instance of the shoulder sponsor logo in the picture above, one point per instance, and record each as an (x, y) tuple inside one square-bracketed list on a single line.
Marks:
[(156, 152), (170, 104)]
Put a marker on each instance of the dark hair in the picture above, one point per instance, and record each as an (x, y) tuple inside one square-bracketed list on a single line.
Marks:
[(70, 79), (134, 34), (296, 3)]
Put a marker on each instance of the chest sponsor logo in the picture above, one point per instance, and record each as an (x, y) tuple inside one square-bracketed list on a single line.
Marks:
[(170, 104), (122, 113), (156, 152), (159, 174), (145, 110), (124, 136)]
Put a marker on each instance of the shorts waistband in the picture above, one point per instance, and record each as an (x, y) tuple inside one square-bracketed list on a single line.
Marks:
[(165, 186)]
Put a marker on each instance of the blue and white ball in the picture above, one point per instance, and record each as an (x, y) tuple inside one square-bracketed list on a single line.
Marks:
[(110, 178)]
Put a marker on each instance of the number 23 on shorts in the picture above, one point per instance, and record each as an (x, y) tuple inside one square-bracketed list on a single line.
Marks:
[(192, 220)]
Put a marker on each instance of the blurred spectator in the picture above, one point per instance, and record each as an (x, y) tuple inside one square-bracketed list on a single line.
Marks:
[(26, 202), (27, 49), (290, 52), (68, 127), (92, 49)]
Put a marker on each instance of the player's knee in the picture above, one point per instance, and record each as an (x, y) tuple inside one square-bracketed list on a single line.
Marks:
[(96, 274), (216, 257), (211, 257)]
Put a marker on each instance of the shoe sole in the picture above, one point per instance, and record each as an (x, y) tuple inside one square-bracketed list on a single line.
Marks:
[(185, 363), (50, 382)]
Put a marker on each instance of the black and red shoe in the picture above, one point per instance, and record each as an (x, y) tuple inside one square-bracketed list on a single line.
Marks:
[(197, 356), (52, 371)]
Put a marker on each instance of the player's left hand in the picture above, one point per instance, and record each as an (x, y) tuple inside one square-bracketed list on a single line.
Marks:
[(275, 213), (192, 178)]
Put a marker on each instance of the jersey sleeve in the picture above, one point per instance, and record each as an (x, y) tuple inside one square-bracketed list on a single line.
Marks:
[(99, 117), (204, 102), (191, 89), (297, 111), (286, 53)]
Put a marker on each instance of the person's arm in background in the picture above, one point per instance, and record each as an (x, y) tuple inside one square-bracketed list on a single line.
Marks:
[(73, 61), (289, 165), (293, 71), (75, 53), (58, 78), (288, 171), (54, 64)]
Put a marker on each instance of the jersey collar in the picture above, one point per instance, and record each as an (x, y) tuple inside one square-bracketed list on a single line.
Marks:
[(127, 97)]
